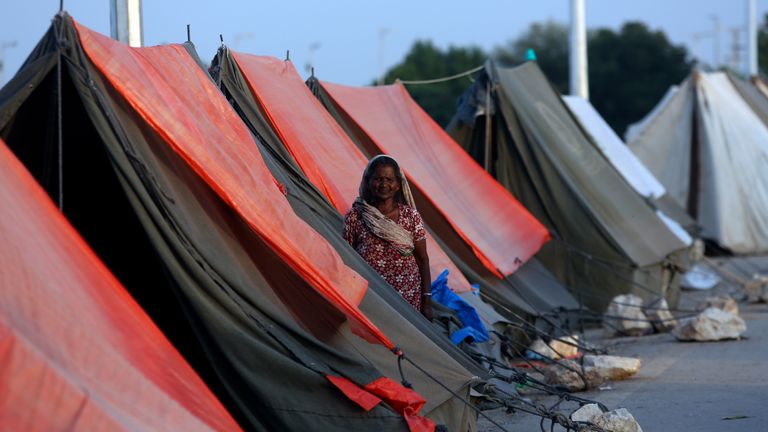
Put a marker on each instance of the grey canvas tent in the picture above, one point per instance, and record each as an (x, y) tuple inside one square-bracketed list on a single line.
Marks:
[(608, 240), (152, 166), (630, 167), (708, 145)]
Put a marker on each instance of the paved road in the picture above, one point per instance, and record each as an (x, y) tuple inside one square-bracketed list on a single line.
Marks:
[(685, 386)]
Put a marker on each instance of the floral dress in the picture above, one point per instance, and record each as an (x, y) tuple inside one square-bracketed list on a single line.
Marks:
[(400, 271)]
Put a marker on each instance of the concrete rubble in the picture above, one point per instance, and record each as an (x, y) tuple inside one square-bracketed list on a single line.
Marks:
[(657, 311), (722, 302), (757, 289), (570, 375), (596, 370), (712, 324), (618, 420), (625, 316), (612, 368), (586, 413)]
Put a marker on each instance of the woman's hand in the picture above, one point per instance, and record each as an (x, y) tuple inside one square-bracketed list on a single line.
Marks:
[(426, 307), (422, 260)]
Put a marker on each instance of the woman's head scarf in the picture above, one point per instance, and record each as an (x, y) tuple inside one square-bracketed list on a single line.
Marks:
[(380, 225)]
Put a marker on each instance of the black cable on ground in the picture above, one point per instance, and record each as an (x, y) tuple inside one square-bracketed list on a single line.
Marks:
[(550, 361)]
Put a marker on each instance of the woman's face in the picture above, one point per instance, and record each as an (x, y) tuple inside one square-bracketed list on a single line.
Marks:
[(384, 183)]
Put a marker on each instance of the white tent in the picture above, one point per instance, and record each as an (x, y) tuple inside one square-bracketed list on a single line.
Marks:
[(634, 129), (710, 151), (622, 159)]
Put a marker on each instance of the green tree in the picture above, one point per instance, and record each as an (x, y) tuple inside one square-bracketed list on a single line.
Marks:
[(630, 71), (762, 46), (425, 61), (549, 41)]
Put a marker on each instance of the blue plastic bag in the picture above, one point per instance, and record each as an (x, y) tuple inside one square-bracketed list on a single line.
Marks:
[(473, 327)]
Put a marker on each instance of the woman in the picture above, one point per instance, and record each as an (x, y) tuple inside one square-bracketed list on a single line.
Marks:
[(386, 230)]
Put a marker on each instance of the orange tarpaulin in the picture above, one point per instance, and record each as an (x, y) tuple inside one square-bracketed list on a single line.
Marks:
[(317, 143), (500, 231), (76, 351), (172, 94)]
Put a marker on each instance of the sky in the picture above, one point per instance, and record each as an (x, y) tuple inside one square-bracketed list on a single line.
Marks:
[(353, 41)]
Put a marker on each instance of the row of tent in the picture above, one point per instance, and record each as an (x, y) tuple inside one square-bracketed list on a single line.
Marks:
[(557, 158), (215, 196), (707, 143), (170, 189)]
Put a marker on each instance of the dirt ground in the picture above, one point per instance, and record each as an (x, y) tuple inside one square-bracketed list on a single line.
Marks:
[(681, 386)]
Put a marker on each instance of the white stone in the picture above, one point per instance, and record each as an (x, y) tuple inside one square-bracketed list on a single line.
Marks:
[(565, 374), (625, 316), (586, 413), (619, 420), (711, 325), (612, 367), (661, 318), (722, 302)]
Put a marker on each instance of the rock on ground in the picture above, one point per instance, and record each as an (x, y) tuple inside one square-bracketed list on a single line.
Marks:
[(722, 302), (612, 368), (586, 413), (711, 325), (625, 316), (757, 289), (661, 318), (570, 375), (619, 420)]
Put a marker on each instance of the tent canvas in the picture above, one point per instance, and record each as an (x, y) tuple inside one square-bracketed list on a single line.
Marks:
[(709, 148), (386, 120), (278, 351), (311, 139), (609, 240), (306, 200), (625, 162), (77, 349), (750, 92), (310, 136)]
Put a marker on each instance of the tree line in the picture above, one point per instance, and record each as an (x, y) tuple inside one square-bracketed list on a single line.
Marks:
[(630, 69)]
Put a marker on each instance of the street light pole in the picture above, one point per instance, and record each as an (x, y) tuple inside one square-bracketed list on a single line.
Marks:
[(578, 53), (125, 22), (751, 38)]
